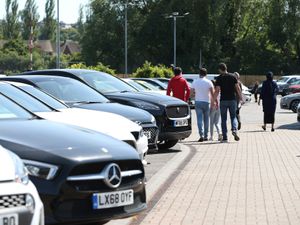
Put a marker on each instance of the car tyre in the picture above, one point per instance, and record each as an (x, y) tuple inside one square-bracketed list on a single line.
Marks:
[(294, 105), (166, 144)]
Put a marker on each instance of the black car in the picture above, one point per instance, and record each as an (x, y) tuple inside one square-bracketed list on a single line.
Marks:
[(82, 176), (173, 116), (76, 94)]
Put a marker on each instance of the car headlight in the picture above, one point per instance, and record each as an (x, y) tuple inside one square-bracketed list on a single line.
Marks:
[(21, 174), (41, 170), (146, 105)]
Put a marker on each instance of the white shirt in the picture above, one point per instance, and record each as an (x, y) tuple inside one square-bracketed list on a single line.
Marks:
[(202, 88)]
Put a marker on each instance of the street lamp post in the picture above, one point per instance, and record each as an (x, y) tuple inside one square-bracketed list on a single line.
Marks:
[(174, 16), (126, 37), (57, 37)]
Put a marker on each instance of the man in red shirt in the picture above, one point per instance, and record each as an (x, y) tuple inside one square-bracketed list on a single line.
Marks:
[(179, 86)]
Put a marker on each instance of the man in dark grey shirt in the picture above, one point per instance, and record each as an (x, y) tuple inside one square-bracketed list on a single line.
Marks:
[(227, 84)]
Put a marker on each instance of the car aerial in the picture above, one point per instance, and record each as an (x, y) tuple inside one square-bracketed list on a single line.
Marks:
[(78, 95), (19, 200), (290, 102), (82, 176), (173, 116), (284, 82), (291, 88), (111, 124)]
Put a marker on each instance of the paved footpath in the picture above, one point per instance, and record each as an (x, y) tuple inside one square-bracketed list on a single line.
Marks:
[(253, 181)]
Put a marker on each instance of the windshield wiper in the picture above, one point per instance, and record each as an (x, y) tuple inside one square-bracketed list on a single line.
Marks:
[(85, 102)]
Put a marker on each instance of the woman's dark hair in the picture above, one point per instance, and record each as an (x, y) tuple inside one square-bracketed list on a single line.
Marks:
[(269, 75)]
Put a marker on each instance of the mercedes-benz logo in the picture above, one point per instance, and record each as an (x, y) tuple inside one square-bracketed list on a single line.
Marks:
[(112, 173)]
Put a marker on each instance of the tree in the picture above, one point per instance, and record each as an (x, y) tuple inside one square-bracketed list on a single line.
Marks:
[(102, 41), (30, 19), (49, 24), (11, 26)]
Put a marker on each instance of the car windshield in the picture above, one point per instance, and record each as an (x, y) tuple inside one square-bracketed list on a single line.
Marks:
[(10, 110), (296, 82), (47, 99), (23, 99), (148, 85), (283, 79), (137, 86), (106, 83), (70, 90)]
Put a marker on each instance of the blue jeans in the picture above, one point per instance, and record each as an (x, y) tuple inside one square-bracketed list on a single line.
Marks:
[(202, 111), (231, 106)]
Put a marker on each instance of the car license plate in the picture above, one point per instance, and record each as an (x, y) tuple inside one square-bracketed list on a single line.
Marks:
[(112, 199), (147, 134), (181, 123), (11, 219)]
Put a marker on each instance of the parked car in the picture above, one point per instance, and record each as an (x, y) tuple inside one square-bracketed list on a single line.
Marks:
[(151, 87), (158, 85), (291, 88), (136, 85), (19, 200), (108, 123), (74, 169), (290, 102), (284, 82), (298, 113), (78, 95), (173, 116), (163, 80)]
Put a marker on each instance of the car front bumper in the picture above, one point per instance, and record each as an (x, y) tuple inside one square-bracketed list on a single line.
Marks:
[(26, 215)]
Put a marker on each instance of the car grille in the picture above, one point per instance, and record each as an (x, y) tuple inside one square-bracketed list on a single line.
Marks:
[(12, 201), (96, 185), (153, 131), (177, 111)]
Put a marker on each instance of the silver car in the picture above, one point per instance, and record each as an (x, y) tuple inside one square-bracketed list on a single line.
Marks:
[(290, 102)]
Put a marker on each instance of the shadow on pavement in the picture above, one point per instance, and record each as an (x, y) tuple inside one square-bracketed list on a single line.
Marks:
[(164, 151), (292, 126), (254, 131)]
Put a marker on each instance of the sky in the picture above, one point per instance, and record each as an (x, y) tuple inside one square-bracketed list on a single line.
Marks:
[(68, 9)]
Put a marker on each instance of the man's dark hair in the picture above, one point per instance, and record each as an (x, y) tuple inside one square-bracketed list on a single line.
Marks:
[(203, 72), (177, 71), (222, 67)]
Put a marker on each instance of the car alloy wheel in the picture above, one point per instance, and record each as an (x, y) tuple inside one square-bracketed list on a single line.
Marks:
[(294, 105)]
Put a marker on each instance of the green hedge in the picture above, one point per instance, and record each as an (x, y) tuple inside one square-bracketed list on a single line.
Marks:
[(150, 71), (99, 67)]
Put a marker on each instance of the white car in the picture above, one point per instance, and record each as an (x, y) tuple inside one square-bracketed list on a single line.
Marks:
[(19, 199), (45, 106)]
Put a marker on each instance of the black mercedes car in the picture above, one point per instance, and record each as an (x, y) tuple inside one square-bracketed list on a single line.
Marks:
[(82, 176), (79, 95), (173, 116)]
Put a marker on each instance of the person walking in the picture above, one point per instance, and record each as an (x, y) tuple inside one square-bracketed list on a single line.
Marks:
[(214, 118), (202, 89), (268, 94), (239, 105), (178, 86), (255, 90), (227, 84)]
